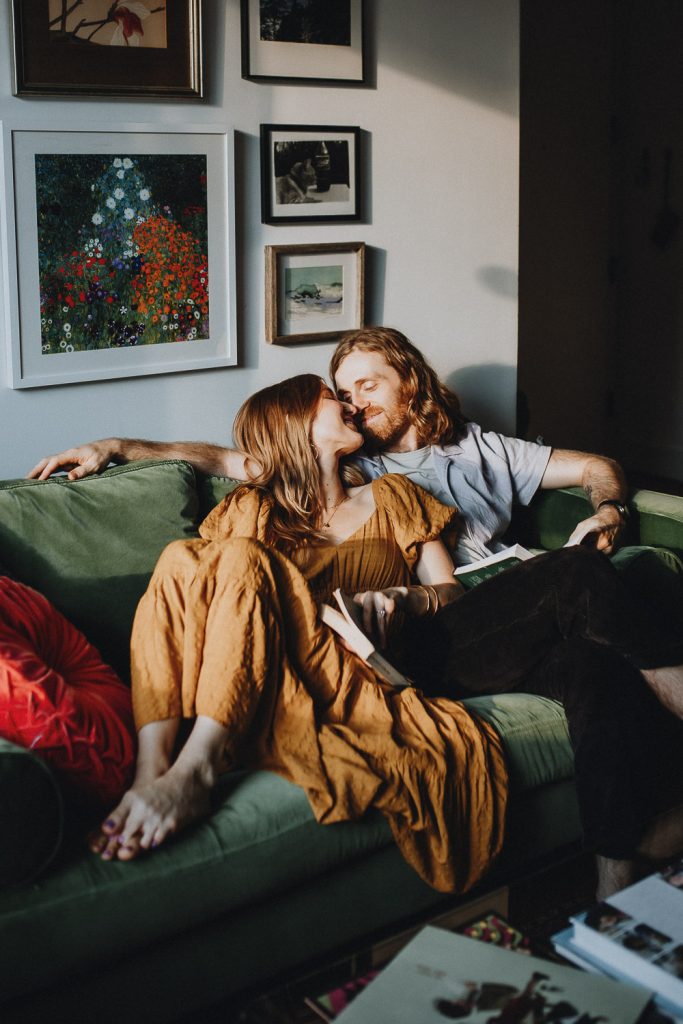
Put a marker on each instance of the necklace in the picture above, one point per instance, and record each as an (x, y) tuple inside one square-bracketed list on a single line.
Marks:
[(325, 525)]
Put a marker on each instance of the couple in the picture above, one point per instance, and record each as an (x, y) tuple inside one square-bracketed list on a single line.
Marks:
[(227, 634)]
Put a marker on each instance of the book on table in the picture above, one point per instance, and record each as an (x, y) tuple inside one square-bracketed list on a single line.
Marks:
[(473, 573), (638, 932), (440, 975), (346, 621), (563, 943)]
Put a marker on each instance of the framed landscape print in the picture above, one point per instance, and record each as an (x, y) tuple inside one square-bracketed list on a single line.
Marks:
[(314, 292), (303, 40), (309, 173), (111, 47), (118, 251)]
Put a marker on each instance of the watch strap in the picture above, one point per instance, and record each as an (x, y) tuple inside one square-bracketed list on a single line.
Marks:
[(618, 505)]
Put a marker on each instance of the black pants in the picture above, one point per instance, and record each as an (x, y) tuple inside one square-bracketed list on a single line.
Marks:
[(565, 626)]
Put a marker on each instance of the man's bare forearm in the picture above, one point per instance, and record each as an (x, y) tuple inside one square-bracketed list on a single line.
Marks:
[(601, 478), (207, 458), (95, 456)]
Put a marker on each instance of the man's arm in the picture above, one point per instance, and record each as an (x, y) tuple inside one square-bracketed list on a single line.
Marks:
[(96, 456), (602, 480)]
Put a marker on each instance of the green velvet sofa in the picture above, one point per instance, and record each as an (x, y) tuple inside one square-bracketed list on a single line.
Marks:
[(259, 892)]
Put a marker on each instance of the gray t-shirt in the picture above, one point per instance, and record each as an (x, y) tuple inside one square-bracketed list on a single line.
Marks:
[(483, 475)]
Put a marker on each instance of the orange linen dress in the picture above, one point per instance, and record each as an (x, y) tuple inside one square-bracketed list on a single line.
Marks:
[(229, 628)]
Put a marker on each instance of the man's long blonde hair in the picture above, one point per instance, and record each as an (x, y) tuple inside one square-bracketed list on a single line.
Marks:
[(273, 427), (432, 407)]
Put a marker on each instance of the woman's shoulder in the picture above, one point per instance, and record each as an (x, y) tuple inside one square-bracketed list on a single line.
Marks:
[(242, 513), (407, 500)]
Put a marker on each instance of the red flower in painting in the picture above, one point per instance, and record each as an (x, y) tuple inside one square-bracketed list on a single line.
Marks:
[(128, 18)]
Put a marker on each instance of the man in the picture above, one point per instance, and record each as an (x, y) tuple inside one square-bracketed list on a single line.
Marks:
[(412, 424)]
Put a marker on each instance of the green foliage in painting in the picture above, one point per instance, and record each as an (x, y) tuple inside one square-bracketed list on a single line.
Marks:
[(123, 244)]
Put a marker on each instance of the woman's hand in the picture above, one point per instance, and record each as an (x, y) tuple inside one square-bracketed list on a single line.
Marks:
[(378, 608)]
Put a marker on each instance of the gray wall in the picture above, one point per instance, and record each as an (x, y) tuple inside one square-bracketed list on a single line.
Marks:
[(441, 170)]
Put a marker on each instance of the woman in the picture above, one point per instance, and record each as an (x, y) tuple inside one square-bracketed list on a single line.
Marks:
[(227, 634)]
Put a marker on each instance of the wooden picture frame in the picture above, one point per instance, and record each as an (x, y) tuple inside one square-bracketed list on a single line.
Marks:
[(112, 239), (328, 47), (314, 292), (93, 48), (310, 173)]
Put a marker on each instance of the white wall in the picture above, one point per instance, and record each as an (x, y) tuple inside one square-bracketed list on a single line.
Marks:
[(441, 174)]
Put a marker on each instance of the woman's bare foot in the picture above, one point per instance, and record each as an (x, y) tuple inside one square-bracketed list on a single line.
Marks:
[(149, 813), (164, 799)]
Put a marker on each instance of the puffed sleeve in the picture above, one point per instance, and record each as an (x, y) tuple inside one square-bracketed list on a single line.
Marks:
[(415, 515), (242, 513)]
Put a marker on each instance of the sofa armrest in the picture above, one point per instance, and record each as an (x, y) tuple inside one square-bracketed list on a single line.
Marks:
[(656, 519)]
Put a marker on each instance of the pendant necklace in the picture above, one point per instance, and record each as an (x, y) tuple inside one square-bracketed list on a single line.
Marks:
[(325, 525)]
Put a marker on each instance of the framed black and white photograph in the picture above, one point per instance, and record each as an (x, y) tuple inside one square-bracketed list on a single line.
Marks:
[(303, 40), (310, 173), (314, 292), (119, 252), (108, 47)]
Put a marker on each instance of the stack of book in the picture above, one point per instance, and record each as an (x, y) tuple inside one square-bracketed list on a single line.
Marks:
[(635, 936)]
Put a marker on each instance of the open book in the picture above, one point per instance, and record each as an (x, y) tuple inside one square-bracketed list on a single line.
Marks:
[(346, 621), (476, 572), (639, 933)]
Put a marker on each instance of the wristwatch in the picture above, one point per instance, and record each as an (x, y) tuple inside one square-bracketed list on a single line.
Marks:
[(618, 505)]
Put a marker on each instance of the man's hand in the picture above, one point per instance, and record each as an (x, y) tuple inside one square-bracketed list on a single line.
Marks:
[(601, 530), (80, 462)]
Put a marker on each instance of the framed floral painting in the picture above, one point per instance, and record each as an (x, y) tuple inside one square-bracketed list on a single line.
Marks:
[(113, 241), (115, 47)]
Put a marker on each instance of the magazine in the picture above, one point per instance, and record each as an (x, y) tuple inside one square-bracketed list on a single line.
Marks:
[(639, 932), (440, 976), (473, 573), (347, 623), (564, 945)]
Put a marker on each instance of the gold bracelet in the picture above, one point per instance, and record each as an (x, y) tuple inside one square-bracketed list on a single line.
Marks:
[(432, 599)]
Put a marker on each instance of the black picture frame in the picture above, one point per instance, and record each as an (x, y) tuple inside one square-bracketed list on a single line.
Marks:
[(310, 173), (336, 57), (49, 62)]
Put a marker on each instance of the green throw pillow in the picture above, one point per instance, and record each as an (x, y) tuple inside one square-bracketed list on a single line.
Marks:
[(31, 815), (90, 545)]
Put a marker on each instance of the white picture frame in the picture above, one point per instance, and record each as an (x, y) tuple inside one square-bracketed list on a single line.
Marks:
[(125, 247)]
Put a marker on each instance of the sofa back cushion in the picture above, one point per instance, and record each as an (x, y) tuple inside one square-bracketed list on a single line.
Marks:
[(90, 545)]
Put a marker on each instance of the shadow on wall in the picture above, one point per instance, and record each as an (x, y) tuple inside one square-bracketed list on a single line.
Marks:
[(466, 46), (500, 280), (483, 391)]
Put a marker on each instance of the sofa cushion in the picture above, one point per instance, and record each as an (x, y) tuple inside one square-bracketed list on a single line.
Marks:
[(90, 545), (212, 490), (31, 814), (534, 734), (58, 698)]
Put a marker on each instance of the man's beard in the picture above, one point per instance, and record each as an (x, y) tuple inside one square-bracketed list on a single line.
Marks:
[(386, 431)]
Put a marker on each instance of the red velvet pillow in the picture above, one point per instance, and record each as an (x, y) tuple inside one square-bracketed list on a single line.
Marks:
[(58, 698)]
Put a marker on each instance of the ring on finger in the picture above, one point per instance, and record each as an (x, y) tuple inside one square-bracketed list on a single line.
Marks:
[(382, 612)]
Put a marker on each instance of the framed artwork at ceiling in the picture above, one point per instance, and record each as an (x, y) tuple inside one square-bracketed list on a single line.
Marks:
[(108, 47), (314, 41)]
